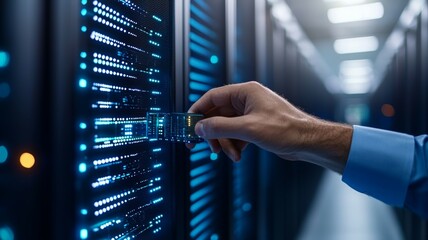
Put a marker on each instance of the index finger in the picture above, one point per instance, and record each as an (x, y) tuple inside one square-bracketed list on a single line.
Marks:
[(216, 97)]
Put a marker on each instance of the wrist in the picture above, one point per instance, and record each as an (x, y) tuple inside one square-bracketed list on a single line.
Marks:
[(327, 144)]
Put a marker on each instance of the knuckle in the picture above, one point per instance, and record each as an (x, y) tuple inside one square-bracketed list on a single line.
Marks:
[(254, 84)]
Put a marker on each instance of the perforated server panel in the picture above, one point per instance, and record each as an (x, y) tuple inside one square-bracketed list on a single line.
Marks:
[(207, 69), (125, 70)]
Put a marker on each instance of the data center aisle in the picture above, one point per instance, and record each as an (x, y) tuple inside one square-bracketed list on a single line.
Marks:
[(339, 212)]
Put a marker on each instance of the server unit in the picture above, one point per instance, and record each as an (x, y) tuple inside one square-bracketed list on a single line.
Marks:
[(124, 184), (205, 53)]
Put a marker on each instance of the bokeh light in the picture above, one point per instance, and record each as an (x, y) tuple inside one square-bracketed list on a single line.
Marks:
[(27, 160), (388, 110), (4, 90), (3, 154)]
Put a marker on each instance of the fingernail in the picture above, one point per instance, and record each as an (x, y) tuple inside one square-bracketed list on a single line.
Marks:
[(199, 129)]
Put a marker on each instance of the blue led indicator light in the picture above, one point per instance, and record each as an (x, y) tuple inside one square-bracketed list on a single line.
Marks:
[(4, 90), (214, 237), (83, 233), (82, 147), (6, 233), (4, 59), (214, 59), (84, 29), (247, 207), (84, 12), (84, 211), (82, 125), (83, 83), (213, 156), (3, 154), (83, 66), (83, 55), (82, 167), (84, 2)]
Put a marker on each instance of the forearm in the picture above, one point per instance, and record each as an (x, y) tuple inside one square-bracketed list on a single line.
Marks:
[(327, 144)]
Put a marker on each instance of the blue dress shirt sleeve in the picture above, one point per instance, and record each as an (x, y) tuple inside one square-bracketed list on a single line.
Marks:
[(389, 166)]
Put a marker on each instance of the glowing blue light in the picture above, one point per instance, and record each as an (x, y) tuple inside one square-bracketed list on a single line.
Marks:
[(157, 18), (213, 156), (203, 225), (83, 147), (82, 167), (83, 55), (200, 155), (84, 211), (4, 90), (202, 179), (201, 216), (83, 233), (4, 59), (84, 29), (201, 193), (84, 12), (214, 59), (247, 207), (214, 237), (194, 97), (202, 28), (82, 125), (83, 83), (6, 233), (84, 2), (3, 154), (195, 10), (199, 86), (200, 170), (83, 66)]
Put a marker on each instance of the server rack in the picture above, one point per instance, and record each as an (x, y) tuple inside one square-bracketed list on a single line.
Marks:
[(242, 68), (404, 90), (25, 174), (205, 56), (289, 73)]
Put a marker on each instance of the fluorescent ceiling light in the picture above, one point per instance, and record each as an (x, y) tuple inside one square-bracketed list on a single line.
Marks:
[(356, 68), (356, 86), (356, 63), (356, 72), (356, 13), (356, 45)]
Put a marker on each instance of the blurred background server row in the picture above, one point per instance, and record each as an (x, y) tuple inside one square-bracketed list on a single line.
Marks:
[(77, 79)]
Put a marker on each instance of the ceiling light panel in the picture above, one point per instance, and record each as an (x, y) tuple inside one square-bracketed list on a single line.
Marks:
[(356, 45), (356, 13), (356, 68)]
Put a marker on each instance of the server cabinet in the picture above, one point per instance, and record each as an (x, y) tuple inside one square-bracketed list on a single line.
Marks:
[(404, 92), (205, 46), (76, 81), (124, 184), (242, 68), (25, 121)]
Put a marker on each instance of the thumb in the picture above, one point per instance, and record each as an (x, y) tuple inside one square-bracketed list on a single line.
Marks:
[(221, 127)]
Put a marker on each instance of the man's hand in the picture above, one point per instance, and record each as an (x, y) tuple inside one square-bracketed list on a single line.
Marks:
[(245, 113)]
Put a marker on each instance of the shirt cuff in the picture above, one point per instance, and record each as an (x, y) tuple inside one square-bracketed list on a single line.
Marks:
[(380, 164)]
